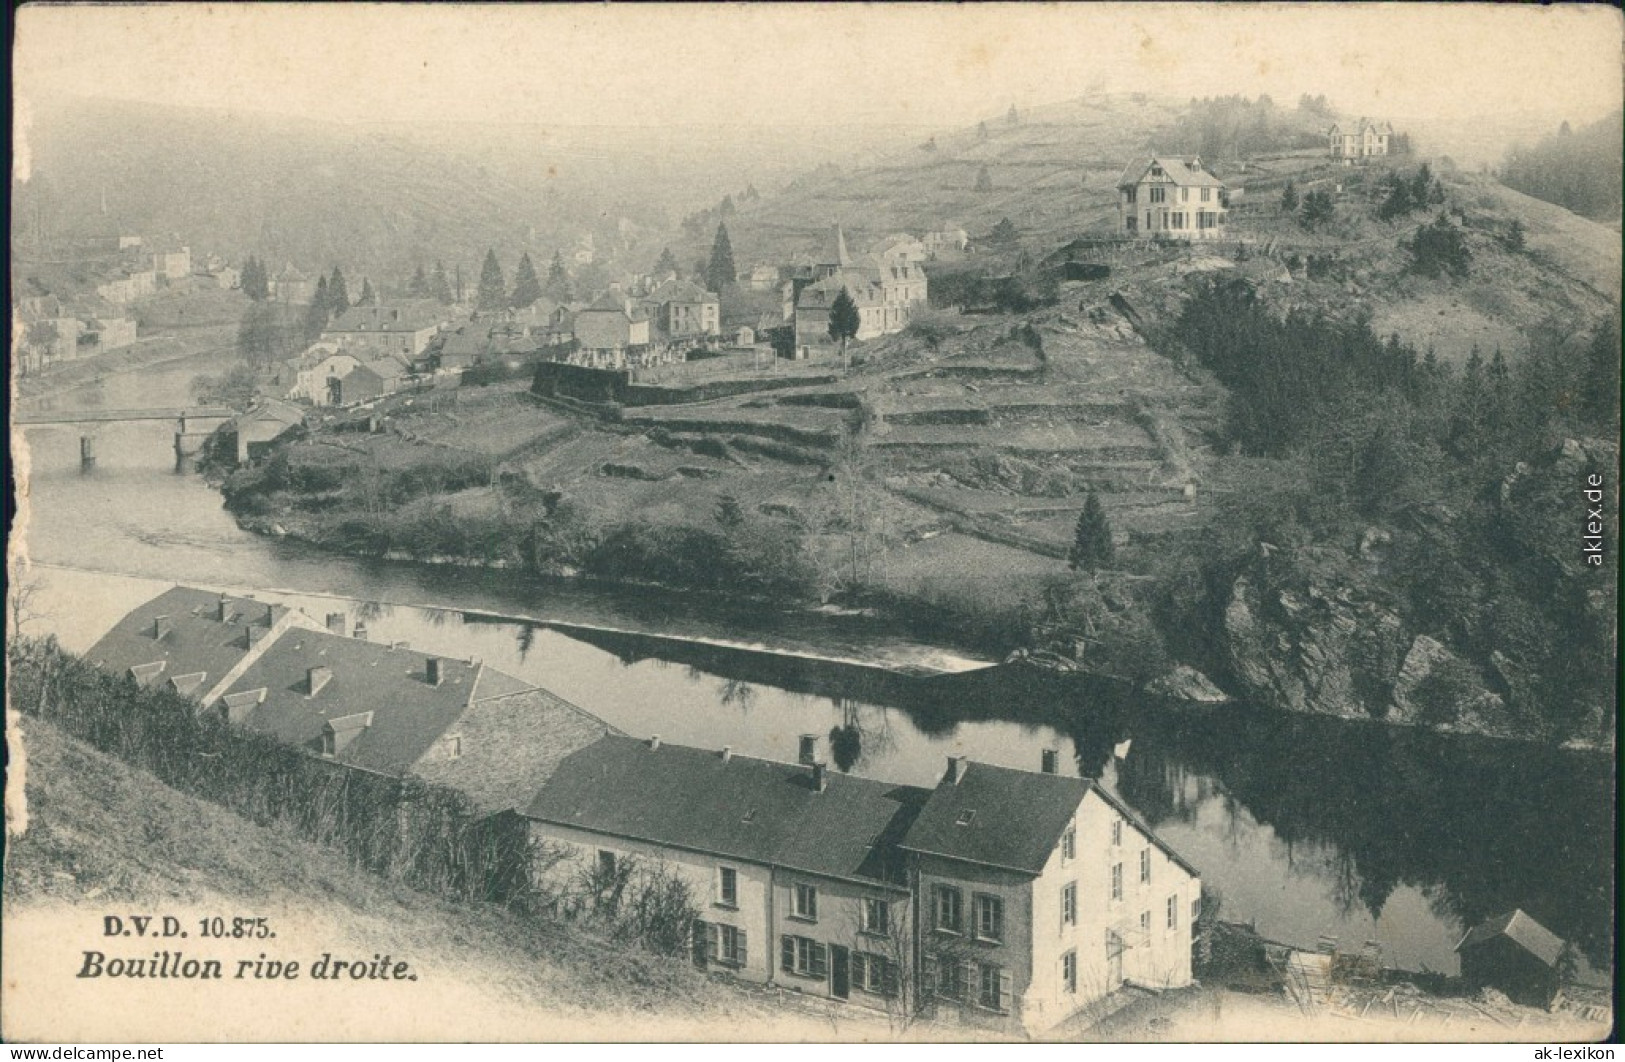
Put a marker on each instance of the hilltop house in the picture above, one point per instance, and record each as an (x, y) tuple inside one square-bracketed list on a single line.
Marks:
[(1363, 139), (375, 707), (886, 291), (1171, 197), (1009, 899)]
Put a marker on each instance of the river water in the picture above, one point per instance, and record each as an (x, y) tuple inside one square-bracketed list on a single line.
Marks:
[(1305, 826)]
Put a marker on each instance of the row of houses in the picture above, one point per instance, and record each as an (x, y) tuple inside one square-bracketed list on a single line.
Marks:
[(47, 330), (888, 286), (1003, 898)]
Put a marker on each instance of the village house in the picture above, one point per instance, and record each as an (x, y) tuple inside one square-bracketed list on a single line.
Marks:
[(950, 239), (370, 378), (763, 276), (610, 330), (262, 425), (901, 247), (138, 284), (1363, 139), (1008, 899), (682, 311), (370, 706), (172, 264), (317, 372), (374, 331), (886, 293), (1514, 954), (292, 287), (1172, 197), (794, 866)]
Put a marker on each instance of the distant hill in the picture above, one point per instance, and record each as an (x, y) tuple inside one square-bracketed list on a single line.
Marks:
[(382, 197), (1580, 169)]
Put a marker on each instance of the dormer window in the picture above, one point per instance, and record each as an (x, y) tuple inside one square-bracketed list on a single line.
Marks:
[(966, 817)]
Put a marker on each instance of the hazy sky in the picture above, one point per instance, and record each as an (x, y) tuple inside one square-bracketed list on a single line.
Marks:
[(814, 63)]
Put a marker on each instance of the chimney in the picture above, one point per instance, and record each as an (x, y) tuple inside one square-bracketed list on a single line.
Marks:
[(360, 630), (956, 769), (256, 635), (820, 777), (316, 678), (269, 618), (809, 749), (1051, 761), (161, 626), (335, 623), (224, 608), (432, 670), (727, 753), (654, 741)]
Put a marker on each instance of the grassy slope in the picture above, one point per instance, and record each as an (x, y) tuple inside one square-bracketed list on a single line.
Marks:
[(103, 838)]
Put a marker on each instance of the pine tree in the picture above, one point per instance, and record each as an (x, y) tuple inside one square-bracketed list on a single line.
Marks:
[(253, 280), (558, 280), (727, 208), (527, 287), (338, 296), (984, 180), (419, 287), (319, 312), (667, 263), (720, 272), (1092, 543), (1289, 198), (492, 293), (844, 321), (729, 513), (368, 298), (439, 286), (1004, 232)]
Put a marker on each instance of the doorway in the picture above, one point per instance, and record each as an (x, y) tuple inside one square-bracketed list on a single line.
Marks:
[(840, 971)]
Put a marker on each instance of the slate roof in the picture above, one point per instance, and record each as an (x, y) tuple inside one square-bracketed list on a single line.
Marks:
[(862, 288), (272, 409), (1017, 817), (411, 317), (196, 639), (409, 715), (1181, 172), (1522, 930), (680, 291), (744, 808)]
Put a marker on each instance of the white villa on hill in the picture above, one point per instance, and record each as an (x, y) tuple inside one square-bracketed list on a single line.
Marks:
[(1173, 197)]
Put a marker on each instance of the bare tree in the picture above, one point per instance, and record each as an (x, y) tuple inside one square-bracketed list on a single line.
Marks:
[(22, 600)]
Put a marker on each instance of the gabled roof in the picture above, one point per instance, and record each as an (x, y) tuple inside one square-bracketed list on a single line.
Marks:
[(1015, 818), (1181, 172), (276, 410), (754, 810), (409, 714), (1522, 930), (854, 282), (410, 317), (192, 639), (680, 291)]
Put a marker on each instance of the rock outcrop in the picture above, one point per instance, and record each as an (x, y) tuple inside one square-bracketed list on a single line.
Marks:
[(1185, 683)]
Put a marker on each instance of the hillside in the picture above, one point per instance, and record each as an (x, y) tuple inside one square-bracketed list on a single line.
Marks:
[(102, 837)]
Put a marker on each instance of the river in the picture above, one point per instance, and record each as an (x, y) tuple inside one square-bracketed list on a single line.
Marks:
[(1304, 826)]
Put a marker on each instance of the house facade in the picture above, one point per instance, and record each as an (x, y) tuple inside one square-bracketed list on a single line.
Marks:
[(610, 329), (683, 311), (1001, 898), (375, 331), (1363, 139), (886, 290), (175, 264), (1171, 197)]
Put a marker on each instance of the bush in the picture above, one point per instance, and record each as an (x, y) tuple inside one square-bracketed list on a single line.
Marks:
[(1439, 249)]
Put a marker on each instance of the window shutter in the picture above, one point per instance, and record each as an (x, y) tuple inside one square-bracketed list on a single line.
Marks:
[(739, 945), (716, 942), (820, 964), (1004, 991), (888, 978), (967, 981), (928, 975), (787, 953)]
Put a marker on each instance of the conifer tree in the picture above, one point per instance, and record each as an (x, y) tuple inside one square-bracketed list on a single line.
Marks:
[(1092, 542), (984, 180), (439, 286), (368, 297), (720, 272), (558, 280), (844, 321), (492, 293), (419, 287), (1289, 198), (319, 312), (667, 263), (527, 287), (338, 296)]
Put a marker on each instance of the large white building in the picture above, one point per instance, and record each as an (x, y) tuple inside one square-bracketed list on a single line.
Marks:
[(1172, 197)]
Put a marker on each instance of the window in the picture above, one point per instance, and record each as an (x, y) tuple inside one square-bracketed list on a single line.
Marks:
[(951, 980), (1117, 881), (727, 887), (1117, 832), (454, 745), (727, 945), (1069, 971), (993, 987), (948, 909), (1069, 843), (1173, 912), (1184, 195), (606, 863), (1179, 219), (1159, 195), (1069, 904), (1132, 194), (1196, 908), (989, 917), (1207, 195), (874, 973), (1145, 921), (799, 955), (806, 903), (876, 917), (1145, 865)]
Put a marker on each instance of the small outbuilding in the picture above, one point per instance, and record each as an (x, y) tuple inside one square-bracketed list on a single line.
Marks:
[(1515, 954)]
